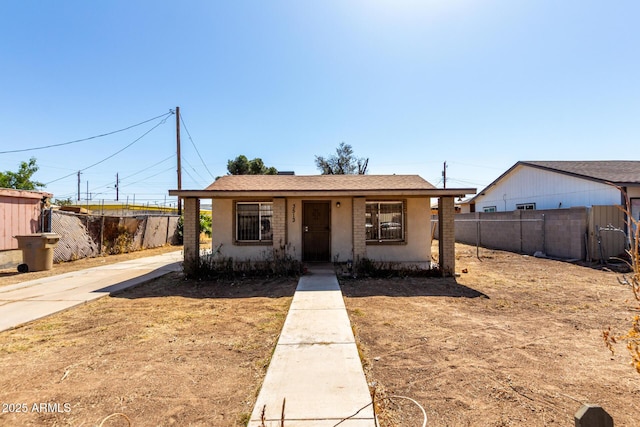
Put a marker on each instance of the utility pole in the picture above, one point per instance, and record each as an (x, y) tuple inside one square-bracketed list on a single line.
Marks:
[(444, 175), (117, 187), (78, 185), (178, 156)]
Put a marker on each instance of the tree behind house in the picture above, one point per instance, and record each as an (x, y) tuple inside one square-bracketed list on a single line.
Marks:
[(342, 163), (243, 166), (21, 180)]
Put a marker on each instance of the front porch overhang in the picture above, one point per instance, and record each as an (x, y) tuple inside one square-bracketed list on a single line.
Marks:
[(446, 212)]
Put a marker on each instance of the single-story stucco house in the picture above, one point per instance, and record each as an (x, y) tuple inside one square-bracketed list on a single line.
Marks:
[(324, 218)]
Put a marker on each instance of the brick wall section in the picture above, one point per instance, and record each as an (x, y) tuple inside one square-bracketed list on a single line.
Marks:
[(191, 234), (446, 231), (359, 229), (279, 223)]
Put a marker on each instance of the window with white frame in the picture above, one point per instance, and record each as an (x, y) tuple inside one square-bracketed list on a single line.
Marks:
[(526, 206), (253, 221), (489, 209), (384, 221)]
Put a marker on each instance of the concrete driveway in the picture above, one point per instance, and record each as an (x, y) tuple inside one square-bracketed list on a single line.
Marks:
[(31, 300)]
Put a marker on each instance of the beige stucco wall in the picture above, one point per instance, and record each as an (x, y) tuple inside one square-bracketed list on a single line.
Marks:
[(417, 248), (341, 228), (222, 232)]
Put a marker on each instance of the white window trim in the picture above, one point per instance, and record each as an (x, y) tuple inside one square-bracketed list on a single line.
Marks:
[(526, 206)]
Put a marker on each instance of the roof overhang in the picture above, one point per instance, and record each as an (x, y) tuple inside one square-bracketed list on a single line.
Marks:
[(213, 194), (24, 194)]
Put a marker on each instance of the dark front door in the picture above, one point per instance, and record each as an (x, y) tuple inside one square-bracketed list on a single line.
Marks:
[(316, 232)]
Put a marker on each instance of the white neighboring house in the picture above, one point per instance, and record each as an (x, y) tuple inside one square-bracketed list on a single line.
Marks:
[(561, 184)]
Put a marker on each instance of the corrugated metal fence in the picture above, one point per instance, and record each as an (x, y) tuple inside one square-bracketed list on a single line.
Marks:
[(85, 236)]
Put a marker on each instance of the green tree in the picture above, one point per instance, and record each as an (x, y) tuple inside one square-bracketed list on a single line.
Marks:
[(243, 166), (344, 162), (21, 180), (63, 202)]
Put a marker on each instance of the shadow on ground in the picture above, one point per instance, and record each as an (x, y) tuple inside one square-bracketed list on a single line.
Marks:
[(9, 273), (408, 287), (174, 284)]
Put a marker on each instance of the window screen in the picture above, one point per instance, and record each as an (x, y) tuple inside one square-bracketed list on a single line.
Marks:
[(384, 221), (253, 222)]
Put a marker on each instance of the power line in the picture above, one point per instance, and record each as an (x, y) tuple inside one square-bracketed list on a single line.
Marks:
[(190, 176), (196, 172), (152, 176), (86, 139), (196, 148), (117, 152), (112, 183), (149, 167)]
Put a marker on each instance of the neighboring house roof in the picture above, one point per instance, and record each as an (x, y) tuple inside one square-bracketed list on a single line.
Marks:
[(619, 172), (614, 171), (24, 194), (290, 185)]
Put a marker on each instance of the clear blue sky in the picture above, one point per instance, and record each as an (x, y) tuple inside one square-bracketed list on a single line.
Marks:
[(410, 84)]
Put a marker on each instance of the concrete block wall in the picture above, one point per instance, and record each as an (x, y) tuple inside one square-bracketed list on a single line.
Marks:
[(555, 232), (565, 231)]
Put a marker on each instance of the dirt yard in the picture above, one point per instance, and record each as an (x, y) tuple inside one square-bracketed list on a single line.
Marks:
[(169, 352), (515, 341)]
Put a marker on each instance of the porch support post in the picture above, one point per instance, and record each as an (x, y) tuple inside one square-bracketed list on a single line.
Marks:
[(446, 236), (359, 230), (279, 225), (191, 234)]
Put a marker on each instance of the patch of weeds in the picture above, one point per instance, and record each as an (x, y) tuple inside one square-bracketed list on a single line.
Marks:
[(276, 262), (244, 418), (357, 312), (368, 268), (122, 244), (47, 326)]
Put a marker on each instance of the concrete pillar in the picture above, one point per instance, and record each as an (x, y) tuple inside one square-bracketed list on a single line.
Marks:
[(191, 234), (279, 223), (446, 234), (359, 229)]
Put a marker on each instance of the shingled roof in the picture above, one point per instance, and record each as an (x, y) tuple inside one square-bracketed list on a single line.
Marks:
[(319, 183), (614, 171)]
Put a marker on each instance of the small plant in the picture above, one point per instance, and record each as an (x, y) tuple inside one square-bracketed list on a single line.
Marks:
[(366, 267), (274, 263), (123, 242), (632, 336)]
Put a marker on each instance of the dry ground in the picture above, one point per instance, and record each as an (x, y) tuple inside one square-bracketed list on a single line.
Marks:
[(516, 341), (169, 352)]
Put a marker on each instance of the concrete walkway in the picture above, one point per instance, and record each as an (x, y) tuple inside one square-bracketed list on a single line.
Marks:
[(315, 366), (31, 300)]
